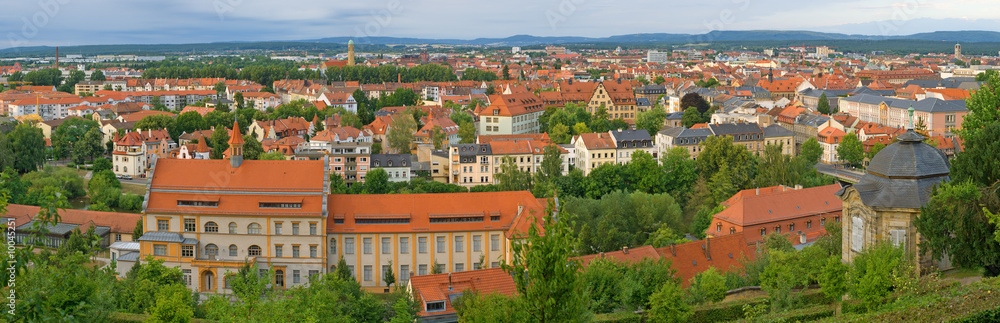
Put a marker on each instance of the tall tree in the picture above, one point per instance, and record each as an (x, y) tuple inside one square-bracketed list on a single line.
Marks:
[(720, 151), (90, 145), (69, 133), (220, 142), (851, 150), (955, 222), (560, 133), (695, 100), (511, 177), (377, 182), (506, 72), (97, 75), (6, 152), (238, 99), (467, 132), (251, 148), (552, 292), (668, 305), (189, 122), (652, 121), (691, 117), (824, 105), (401, 133), (978, 160), (811, 151), (388, 277), (551, 162), (438, 136)]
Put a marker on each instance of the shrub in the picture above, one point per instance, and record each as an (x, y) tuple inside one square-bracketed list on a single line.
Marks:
[(724, 311)]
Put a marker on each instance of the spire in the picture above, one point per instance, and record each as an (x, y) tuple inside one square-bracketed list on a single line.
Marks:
[(235, 146)]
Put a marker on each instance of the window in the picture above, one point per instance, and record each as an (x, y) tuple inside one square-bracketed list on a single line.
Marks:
[(732, 230), (312, 251), (459, 244), (718, 227), (264, 205), (295, 277), (349, 246), (187, 251), (233, 250), (190, 225), (253, 228), (333, 245), (495, 264), (162, 225), (822, 222), (351, 269), (763, 232), (777, 229), (440, 268), (159, 250), (422, 270), (198, 203), (232, 227), (211, 227), (459, 267), (368, 245), (368, 273), (295, 229), (422, 244), (437, 306), (440, 244), (404, 245), (385, 268), (404, 273), (253, 251), (211, 249), (477, 266), (279, 251), (495, 242), (295, 251), (386, 246), (312, 228), (118, 237), (313, 273), (277, 228), (791, 227), (477, 243), (187, 276), (809, 224)]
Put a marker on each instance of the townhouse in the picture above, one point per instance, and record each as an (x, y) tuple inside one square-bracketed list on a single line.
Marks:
[(510, 114), (616, 97), (593, 150), (689, 139), (397, 166), (173, 100), (136, 153), (629, 142)]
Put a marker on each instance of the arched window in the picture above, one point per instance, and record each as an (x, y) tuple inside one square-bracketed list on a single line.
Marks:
[(279, 277), (233, 250), (777, 229), (232, 227), (732, 230), (211, 249), (253, 251), (763, 232), (211, 227), (253, 228)]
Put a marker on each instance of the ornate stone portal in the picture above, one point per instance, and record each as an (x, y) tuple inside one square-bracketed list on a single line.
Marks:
[(884, 204)]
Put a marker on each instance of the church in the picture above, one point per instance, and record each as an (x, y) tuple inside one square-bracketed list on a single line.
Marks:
[(887, 200)]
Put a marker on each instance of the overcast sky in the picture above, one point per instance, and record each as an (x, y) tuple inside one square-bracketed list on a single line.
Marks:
[(78, 22)]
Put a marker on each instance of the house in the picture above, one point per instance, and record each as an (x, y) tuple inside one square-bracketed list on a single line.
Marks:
[(755, 213), (135, 153), (689, 139), (749, 135), (724, 253), (398, 166), (277, 129), (829, 138), (454, 231), (616, 97), (350, 160), (342, 100), (594, 149), (262, 100), (778, 135), (201, 110), (510, 114), (938, 117), (629, 142), (437, 293)]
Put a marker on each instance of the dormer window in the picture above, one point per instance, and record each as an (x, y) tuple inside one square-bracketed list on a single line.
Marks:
[(435, 306)]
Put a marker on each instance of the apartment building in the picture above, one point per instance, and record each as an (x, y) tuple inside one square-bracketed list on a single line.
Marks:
[(594, 149), (631, 141), (515, 113)]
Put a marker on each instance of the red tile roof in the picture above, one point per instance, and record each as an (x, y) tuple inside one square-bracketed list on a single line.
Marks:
[(779, 203), (598, 140), (434, 288), (118, 222), (626, 255), (724, 253)]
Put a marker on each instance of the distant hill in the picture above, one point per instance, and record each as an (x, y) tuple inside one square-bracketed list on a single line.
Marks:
[(644, 39)]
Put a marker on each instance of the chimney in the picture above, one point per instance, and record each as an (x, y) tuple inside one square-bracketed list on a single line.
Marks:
[(758, 191), (449, 283), (625, 250), (673, 250), (708, 248), (798, 186), (399, 78)]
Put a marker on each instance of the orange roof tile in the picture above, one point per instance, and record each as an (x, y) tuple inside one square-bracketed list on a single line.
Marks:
[(779, 203), (118, 222), (433, 288), (626, 255), (724, 253)]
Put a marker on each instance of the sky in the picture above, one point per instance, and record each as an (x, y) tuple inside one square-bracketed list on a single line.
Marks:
[(78, 22)]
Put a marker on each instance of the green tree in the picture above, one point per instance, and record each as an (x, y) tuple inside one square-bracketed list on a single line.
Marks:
[(652, 121), (467, 132), (581, 128), (90, 146), (955, 222), (691, 117), (551, 162), (219, 88), (251, 148), (776, 168), (173, 305), (811, 151), (273, 155), (851, 150), (158, 122), (343, 272), (659, 80), (97, 75), (102, 164), (977, 162), (667, 304), (68, 134), (824, 105), (137, 231), (708, 285), (833, 279), (337, 184), (388, 277), (44, 77), (189, 122), (560, 133), (377, 148), (511, 177), (219, 142), (552, 292), (475, 307), (438, 136), (877, 147), (780, 276), (694, 100), (238, 99), (400, 133), (877, 272), (377, 182)]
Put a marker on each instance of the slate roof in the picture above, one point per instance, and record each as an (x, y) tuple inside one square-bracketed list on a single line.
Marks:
[(777, 131), (58, 229), (630, 135), (473, 149), (930, 105), (397, 160), (903, 174), (160, 236), (675, 116), (734, 128), (642, 102), (129, 256)]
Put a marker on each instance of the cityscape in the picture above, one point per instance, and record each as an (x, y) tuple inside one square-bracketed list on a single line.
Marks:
[(577, 161)]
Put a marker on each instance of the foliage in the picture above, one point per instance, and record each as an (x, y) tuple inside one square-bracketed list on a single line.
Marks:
[(475, 307), (138, 292), (851, 150), (652, 121), (708, 285), (274, 155), (824, 104), (621, 219), (173, 304), (552, 292), (511, 177), (694, 100), (252, 149), (104, 188), (977, 161), (833, 279), (65, 180), (467, 132), (667, 304), (720, 152), (811, 151), (955, 222), (66, 137), (388, 277), (219, 142), (877, 272), (400, 133), (780, 276), (157, 122), (377, 182), (877, 147), (44, 77), (437, 137)]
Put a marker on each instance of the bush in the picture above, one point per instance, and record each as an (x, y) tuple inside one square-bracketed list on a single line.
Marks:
[(126, 318), (990, 315), (130, 202), (853, 307), (811, 313), (619, 317)]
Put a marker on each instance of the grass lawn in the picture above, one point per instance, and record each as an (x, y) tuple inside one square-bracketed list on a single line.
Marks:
[(137, 189)]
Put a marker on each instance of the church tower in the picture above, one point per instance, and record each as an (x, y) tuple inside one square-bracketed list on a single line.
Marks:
[(958, 51), (350, 52), (236, 146)]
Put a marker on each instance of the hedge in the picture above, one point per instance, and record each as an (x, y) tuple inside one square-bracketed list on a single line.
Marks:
[(811, 313), (619, 317), (728, 312), (990, 315), (126, 318)]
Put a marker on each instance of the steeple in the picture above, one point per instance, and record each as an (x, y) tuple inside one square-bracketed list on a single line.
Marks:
[(235, 146)]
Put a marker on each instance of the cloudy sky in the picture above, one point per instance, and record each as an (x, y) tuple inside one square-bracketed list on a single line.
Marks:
[(78, 22)]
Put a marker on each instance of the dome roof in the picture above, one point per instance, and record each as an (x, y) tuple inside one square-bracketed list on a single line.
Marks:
[(904, 173)]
